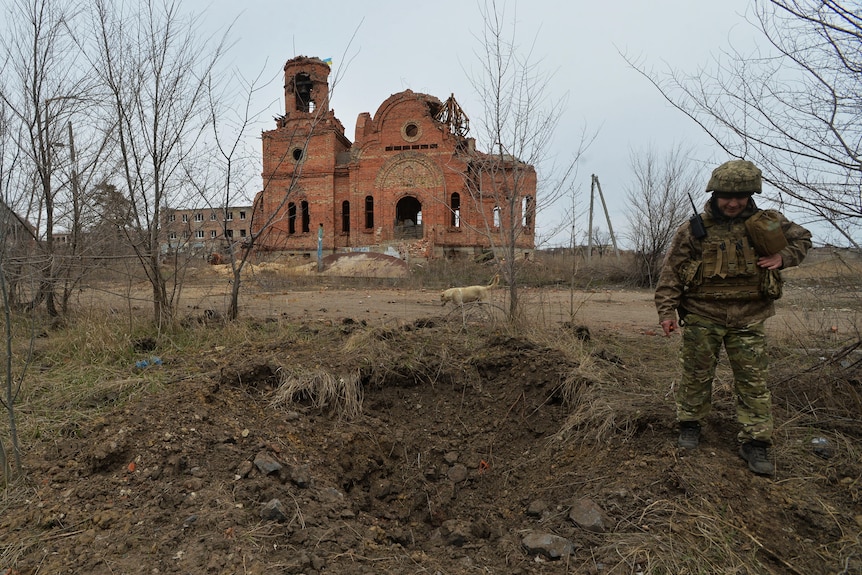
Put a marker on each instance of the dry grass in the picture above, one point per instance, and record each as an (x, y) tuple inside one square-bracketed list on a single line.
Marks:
[(321, 390), (689, 537)]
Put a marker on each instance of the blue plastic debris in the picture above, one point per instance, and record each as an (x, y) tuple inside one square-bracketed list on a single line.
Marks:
[(144, 363)]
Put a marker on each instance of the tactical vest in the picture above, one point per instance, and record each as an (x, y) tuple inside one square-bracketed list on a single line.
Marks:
[(727, 269)]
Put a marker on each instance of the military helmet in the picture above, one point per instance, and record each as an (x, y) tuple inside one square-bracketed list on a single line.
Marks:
[(736, 177)]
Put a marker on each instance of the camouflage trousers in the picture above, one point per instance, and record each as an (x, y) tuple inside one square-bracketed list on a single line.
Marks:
[(746, 350)]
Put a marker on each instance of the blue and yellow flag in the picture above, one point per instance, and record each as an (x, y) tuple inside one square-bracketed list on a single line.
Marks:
[(327, 61)]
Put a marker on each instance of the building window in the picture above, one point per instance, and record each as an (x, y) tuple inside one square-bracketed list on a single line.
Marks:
[(213, 216), (411, 132), (229, 217), (173, 235), (527, 211), (291, 218), (306, 217), (229, 233), (199, 217), (242, 215), (345, 217), (172, 218), (213, 234), (497, 212), (242, 233), (185, 218), (369, 212), (199, 234), (455, 208)]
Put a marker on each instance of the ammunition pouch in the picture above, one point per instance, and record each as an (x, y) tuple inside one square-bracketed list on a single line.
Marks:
[(765, 231), (772, 285)]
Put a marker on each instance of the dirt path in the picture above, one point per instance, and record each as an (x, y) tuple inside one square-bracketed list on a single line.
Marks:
[(626, 310)]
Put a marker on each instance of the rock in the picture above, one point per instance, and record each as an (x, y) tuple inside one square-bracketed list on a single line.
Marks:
[(266, 463), (273, 511), (457, 473), (300, 475), (537, 508), (585, 513), (550, 545), (244, 468), (330, 495), (455, 532)]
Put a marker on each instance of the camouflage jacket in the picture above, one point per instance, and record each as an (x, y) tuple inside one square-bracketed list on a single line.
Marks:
[(696, 277)]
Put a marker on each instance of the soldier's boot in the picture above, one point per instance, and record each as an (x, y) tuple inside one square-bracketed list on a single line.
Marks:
[(689, 434), (755, 454)]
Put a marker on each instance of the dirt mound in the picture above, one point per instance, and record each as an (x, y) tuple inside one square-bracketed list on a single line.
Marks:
[(355, 264), (473, 451), (364, 264)]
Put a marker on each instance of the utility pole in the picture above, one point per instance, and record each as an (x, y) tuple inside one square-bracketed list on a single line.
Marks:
[(590, 228), (596, 185)]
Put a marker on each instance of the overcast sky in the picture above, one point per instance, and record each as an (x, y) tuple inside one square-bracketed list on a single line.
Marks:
[(382, 47)]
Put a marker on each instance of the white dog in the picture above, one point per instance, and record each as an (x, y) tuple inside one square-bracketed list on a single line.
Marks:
[(462, 295)]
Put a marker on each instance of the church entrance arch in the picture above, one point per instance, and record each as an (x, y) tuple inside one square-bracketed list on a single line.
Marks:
[(408, 218)]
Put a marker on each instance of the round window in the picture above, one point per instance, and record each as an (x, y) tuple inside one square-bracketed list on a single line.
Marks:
[(411, 131), (297, 154)]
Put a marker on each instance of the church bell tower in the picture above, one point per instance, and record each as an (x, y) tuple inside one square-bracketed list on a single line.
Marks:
[(306, 87)]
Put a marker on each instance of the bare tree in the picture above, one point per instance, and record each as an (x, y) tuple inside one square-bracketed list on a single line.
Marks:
[(18, 239), (44, 86), (9, 155), (229, 131), (658, 202), (155, 67), (792, 108), (283, 173), (518, 125)]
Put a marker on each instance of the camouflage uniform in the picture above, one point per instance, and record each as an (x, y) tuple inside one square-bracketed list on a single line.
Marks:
[(719, 293)]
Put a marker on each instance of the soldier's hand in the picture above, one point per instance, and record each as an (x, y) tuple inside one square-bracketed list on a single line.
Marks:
[(669, 326), (773, 262)]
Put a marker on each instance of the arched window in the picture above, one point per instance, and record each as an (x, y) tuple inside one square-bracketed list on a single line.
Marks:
[(369, 212), (306, 217), (291, 218), (345, 217), (527, 211), (455, 207)]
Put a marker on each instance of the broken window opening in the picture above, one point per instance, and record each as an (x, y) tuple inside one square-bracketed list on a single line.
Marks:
[(306, 217), (408, 218), (497, 216), (302, 87), (527, 211), (291, 218)]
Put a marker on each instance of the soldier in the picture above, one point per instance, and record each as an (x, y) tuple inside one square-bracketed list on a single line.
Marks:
[(721, 277)]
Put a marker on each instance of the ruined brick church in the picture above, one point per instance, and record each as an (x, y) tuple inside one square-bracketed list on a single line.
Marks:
[(410, 183)]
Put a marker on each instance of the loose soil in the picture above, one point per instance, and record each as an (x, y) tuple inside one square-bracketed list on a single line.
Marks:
[(471, 442)]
